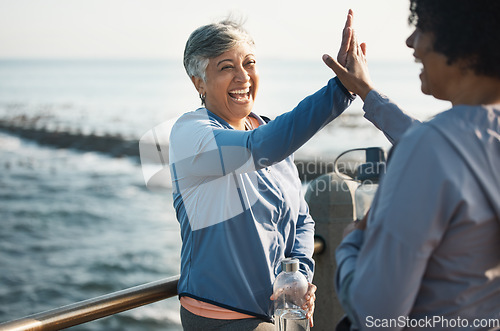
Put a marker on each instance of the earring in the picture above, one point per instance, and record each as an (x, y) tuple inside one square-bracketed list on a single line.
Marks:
[(203, 97)]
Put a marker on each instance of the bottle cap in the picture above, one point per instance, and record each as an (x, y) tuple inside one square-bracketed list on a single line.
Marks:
[(374, 166), (290, 264)]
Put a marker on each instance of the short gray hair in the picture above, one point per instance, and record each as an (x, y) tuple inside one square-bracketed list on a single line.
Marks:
[(210, 41)]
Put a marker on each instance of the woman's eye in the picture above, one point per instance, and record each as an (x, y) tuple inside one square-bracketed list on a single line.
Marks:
[(226, 67), (251, 63)]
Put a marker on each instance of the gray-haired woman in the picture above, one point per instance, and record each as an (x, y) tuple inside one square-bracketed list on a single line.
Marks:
[(237, 193)]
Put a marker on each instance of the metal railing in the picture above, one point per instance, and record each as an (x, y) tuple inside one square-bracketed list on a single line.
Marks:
[(92, 309), (106, 305)]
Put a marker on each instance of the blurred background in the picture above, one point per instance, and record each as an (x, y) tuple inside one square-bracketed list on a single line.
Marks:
[(82, 81)]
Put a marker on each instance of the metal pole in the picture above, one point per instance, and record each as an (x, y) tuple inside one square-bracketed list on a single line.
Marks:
[(331, 204), (92, 309)]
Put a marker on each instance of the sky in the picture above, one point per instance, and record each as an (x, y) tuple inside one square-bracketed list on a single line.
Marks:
[(159, 28)]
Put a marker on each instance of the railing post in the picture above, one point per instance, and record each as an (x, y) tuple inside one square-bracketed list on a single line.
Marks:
[(331, 204)]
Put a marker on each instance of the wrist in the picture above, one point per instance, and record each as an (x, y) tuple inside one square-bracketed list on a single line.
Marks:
[(364, 89)]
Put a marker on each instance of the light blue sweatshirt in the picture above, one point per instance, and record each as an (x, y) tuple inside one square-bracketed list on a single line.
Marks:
[(238, 200), (430, 255)]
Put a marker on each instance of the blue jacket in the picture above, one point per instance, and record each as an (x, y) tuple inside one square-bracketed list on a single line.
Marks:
[(238, 200)]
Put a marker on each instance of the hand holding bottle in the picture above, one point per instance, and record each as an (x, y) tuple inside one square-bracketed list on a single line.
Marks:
[(293, 298), (309, 305)]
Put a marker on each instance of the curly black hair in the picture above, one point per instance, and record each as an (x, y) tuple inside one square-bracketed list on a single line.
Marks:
[(464, 30)]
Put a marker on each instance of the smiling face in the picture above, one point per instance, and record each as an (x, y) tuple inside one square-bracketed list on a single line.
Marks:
[(231, 84), (437, 77)]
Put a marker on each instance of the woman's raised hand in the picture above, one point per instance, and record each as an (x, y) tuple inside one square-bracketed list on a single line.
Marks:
[(351, 66)]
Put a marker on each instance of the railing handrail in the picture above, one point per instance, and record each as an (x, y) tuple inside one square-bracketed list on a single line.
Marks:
[(106, 305), (92, 309)]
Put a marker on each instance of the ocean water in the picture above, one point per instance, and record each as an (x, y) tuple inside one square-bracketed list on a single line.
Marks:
[(79, 225), (76, 225)]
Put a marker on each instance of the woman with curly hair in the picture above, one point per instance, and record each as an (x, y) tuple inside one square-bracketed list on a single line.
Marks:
[(428, 253)]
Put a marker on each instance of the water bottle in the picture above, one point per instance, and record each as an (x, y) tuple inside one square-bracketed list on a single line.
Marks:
[(290, 288), (364, 196), (368, 174)]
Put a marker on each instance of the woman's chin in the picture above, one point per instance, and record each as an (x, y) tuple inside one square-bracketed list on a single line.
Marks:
[(243, 107), (424, 88)]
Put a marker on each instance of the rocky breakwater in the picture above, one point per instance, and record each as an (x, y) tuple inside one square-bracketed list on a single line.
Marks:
[(114, 145)]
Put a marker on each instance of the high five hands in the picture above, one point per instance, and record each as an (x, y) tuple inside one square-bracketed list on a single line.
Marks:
[(351, 66)]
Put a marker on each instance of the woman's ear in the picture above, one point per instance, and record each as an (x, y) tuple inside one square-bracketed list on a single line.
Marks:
[(199, 84)]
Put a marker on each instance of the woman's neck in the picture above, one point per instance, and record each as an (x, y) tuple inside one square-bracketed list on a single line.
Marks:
[(238, 125), (477, 90)]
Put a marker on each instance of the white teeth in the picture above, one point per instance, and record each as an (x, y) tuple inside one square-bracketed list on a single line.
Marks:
[(240, 95), (418, 60), (245, 91)]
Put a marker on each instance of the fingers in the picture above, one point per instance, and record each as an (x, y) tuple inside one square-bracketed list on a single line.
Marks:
[(310, 313), (346, 40), (351, 64), (358, 50), (346, 32), (348, 22), (275, 295), (312, 288), (334, 65), (310, 299), (354, 44), (363, 48), (349, 41)]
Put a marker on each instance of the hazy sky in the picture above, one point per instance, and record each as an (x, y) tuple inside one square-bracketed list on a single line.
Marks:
[(159, 28)]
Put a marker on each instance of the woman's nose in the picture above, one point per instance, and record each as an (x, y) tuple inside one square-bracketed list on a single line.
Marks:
[(411, 39), (242, 75)]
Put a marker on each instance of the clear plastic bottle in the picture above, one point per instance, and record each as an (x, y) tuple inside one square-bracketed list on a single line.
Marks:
[(368, 174), (364, 196), (290, 288)]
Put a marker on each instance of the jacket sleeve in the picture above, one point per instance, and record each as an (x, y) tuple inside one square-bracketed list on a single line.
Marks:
[(199, 146), (303, 247), (387, 116)]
